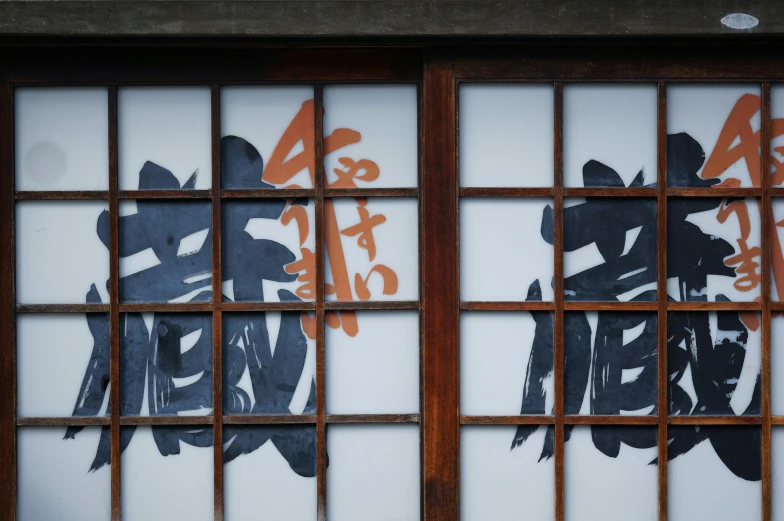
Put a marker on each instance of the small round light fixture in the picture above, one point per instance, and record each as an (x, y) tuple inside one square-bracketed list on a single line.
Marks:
[(740, 21)]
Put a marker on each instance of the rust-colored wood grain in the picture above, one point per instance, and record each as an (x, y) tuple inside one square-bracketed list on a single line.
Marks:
[(440, 296), (766, 218), (558, 288)]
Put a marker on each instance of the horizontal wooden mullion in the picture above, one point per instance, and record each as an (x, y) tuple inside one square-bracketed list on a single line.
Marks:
[(777, 192), (505, 192), (363, 305), (371, 418), (714, 306), (165, 194), (261, 193), (267, 306), (166, 307), (714, 192), (777, 306), (166, 420), (610, 420), (714, 420), (507, 420), (67, 421), (610, 306), (70, 195), (269, 419), (609, 192), (371, 192), (62, 308), (777, 420), (507, 306)]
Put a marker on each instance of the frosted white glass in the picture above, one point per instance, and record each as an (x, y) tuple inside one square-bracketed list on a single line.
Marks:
[(58, 252), (261, 115), (54, 478), (158, 488), (599, 487), (701, 111), (700, 486), (612, 124), (777, 365), (506, 135), (501, 484), (396, 242), (730, 231), (385, 117), (169, 126), (52, 356), (377, 371), (494, 352), (373, 472), (502, 251), (61, 138), (261, 485)]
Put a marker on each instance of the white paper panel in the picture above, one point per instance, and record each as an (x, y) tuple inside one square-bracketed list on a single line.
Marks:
[(396, 247), (377, 371), (58, 252), (261, 115), (53, 353), (737, 288), (158, 488), (700, 486), (61, 138), (614, 125), (701, 111), (777, 366), (261, 485), (55, 482), (776, 150), (777, 250), (248, 226), (777, 471), (506, 135), (169, 126), (385, 116), (495, 349), (504, 485), (373, 472), (502, 250), (598, 487)]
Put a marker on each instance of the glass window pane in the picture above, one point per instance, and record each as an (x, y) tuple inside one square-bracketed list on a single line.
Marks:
[(608, 474), (501, 484), (777, 250), (610, 249), (611, 363), (269, 473), (166, 473), (376, 371), (61, 252), (777, 135), (263, 129), (713, 249), (372, 248), (61, 138), (506, 250), (371, 136), (714, 361), (164, 138), (777, 471), (62, 365), (269, 363), (57, 480), (506, 363), (506, 135), (777, 365), (269, 250), (705, 123), (373, 472), (166, 363), (165, 251), (610, 135), (719, 478)]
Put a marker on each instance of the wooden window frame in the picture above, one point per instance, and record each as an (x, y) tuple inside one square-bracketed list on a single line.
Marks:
[(437, 70)]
